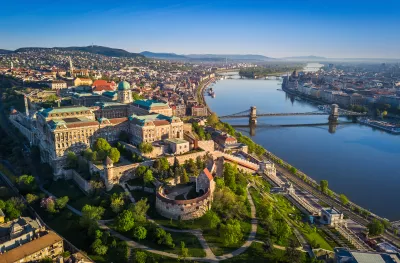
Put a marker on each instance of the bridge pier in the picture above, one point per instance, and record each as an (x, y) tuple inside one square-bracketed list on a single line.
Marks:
[(253, 115), (333, 117)]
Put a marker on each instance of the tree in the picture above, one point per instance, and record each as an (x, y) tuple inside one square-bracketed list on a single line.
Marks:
[(164, 238), (125, 221), (117, 202), (264, 211), (231, 232), (184, 177), (343, 199), (324, 186), (140, 257), (230, 176), (292, 255), (148, 177), (268, 245), (228, 204), (139, 210), (164, 164), (30, 198), (114, 155), (375, 227), (140, 170), (98, 247), (184, 251), (293, 170), (27, 183), (145, 147), (212, 119), (199, 163), (283, 231), (90, 215), (140, 233), (212, 219), (101, 144), (88, 154), (49, 204), (72, 160), (61, 202)]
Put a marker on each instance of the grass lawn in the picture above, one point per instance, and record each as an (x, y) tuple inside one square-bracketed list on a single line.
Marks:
[(255, 253), (151, 257), (191, 242)]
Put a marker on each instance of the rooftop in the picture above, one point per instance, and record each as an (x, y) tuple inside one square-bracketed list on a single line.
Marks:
[(176, 140), (148, 104), (69, 109)]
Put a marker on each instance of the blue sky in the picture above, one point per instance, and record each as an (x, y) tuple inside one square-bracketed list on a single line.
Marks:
[(276, 28)]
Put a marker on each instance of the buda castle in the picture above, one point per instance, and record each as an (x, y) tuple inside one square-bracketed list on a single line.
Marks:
[(75, 128)]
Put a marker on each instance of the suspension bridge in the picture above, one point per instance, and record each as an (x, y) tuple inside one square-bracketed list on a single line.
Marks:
[(333, 111)]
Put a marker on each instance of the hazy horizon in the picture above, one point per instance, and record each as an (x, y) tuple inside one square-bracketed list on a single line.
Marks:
[(277, 29)]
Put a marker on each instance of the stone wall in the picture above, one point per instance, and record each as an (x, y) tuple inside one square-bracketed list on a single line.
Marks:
[(78, 179), (183, 209), (208, 146)]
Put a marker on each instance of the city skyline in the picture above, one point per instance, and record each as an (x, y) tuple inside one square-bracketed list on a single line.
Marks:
[(272, 28)]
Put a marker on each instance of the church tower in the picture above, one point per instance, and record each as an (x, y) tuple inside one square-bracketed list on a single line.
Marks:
[(124, 92)]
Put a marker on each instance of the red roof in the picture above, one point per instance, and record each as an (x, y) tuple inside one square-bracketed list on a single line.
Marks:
[(118, 120), (103, 88), (208, 174)]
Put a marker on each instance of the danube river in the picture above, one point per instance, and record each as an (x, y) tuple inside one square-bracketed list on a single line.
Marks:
[(359, 161)]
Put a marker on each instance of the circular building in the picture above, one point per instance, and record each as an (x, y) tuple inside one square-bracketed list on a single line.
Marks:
[(169, 202)]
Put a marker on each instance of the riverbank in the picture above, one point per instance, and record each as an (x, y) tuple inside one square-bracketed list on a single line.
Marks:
[(344, 157)]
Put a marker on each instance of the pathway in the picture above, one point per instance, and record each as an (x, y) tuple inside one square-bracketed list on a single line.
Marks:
[(128, 192)]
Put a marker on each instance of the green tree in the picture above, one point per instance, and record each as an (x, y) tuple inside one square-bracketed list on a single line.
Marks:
[(61, 202), (343, 199), (231, 232), (140, 170), (212, 119), (30, 198), (164, 164), (283, 231), (88, 154), (230, 176), (27, 183), (98, 247), (140, 256), (184, 253), (101, 144), (117, 202), (146, 147), (375, 227), (324, 186), (140, 233), (264, 211), (72, 160), (114, 155), (184, 178), (293, 170), (148, 177), (139, 210), (125, 221), (212, 219), (293, 255), (90, 215)]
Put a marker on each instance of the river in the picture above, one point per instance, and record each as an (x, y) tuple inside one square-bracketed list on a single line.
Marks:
[(358, 161)]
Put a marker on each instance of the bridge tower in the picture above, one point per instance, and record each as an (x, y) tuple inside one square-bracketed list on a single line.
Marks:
[(253, 115), (333, 117)]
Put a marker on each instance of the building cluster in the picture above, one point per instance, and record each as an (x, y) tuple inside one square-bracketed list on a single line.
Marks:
[(27, 240), (350, 85)]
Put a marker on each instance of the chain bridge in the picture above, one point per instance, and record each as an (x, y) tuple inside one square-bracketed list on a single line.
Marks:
[(333, 111)]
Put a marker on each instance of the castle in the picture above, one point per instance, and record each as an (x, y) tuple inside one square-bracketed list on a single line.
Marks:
[(75, 128)]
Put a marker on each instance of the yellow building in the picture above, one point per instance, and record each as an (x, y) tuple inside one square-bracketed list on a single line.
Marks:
[(83, 82)]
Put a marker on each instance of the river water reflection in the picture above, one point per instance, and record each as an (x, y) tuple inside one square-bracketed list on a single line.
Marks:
[(361, 162)]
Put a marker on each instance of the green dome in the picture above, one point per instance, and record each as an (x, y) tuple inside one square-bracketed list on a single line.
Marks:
[(123, 85)]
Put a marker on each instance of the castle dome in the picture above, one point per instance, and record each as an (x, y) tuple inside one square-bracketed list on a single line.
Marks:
[(124, 85)]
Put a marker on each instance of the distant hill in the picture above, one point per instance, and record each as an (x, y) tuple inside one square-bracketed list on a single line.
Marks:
[(248, 57), (5, 51), (206, 57), (106, 51), (149, 54), (305, 58)]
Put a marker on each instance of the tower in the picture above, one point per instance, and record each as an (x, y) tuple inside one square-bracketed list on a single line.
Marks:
[(26, 106), (11, 65), (71, 68), (333, 117), (108, 173), (124, 92), (253, 115)]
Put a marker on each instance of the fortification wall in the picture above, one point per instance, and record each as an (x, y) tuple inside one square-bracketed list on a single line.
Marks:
[(78, 179), (183, 209)]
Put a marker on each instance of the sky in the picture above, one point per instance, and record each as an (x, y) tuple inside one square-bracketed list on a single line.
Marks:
[(274, 28)]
